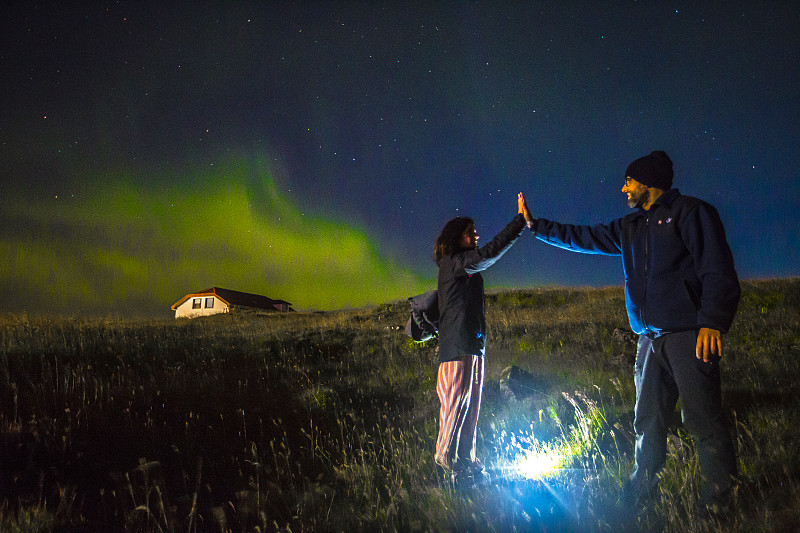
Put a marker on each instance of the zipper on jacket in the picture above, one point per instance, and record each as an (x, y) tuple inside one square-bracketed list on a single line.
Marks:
[(646, 263)]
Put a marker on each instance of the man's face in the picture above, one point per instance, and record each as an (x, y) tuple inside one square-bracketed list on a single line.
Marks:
[(637, 193), (469, 239)]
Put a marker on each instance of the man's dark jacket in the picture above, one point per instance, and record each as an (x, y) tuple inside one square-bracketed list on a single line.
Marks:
[(678, 267), (462, 316)]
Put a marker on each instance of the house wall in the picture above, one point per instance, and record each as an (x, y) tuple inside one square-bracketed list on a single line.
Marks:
[(209, 305)]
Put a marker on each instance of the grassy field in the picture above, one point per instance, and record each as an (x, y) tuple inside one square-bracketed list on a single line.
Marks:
[(327, 421)]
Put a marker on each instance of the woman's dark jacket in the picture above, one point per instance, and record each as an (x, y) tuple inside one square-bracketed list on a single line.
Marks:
[(678, 267), (462, 316)]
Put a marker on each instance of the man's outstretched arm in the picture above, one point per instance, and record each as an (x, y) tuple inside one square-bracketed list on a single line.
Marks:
[(600, 239)]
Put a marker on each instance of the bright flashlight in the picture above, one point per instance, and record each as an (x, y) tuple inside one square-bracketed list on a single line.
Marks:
[(538, 460), (531, 459), (538, 464)]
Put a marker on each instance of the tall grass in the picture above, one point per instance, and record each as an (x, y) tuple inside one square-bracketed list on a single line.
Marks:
[(327, 422)]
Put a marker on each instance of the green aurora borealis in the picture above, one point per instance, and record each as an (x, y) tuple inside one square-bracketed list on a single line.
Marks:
[(311, 152), (124, 248)]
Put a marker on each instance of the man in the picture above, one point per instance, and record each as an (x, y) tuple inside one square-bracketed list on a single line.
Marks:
[(681, 293)]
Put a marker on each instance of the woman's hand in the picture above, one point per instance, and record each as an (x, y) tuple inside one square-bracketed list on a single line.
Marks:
[(522, 208)]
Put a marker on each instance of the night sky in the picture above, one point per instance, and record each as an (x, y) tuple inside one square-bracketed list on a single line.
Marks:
[(312, 152)]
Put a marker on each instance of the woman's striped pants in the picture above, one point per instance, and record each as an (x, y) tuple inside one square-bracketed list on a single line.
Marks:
[(459, 386)]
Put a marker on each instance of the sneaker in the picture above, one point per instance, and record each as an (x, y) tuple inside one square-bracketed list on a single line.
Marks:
[(473, 467), (634, 497), (462, 479), (469, 473), (711, 512), (715, 507)]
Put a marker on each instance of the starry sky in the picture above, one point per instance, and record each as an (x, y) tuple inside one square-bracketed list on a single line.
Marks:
[(312, 151)]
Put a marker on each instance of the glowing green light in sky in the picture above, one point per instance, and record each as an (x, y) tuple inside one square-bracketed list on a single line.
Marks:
[(122, 246)]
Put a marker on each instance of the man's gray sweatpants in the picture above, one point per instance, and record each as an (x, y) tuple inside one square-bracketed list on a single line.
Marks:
[(666, 367)]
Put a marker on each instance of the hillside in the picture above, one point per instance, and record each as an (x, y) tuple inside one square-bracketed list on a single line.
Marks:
[(327, 421)]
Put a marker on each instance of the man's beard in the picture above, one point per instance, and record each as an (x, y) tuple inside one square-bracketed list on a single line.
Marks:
[(637, 199)]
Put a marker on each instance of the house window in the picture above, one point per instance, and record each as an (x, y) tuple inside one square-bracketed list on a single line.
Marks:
[(196, 303), (209, 303)]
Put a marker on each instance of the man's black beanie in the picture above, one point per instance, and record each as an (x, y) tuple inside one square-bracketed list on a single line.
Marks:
[(654, 170)]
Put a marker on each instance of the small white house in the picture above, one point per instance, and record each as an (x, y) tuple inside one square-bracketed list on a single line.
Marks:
[(216, 300)]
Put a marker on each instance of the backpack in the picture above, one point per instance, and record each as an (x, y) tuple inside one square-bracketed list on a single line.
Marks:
[(423, 324)]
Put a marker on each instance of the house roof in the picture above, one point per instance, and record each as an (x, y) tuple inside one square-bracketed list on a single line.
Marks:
[(232, 297)]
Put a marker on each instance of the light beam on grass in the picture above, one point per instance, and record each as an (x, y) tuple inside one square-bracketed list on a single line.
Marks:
[(525, 457), (531, 459), (539, 463)]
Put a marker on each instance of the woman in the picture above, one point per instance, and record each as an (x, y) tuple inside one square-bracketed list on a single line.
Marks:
[(462, 335)]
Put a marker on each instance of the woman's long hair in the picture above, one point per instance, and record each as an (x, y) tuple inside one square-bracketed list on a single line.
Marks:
[(449, 240)]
